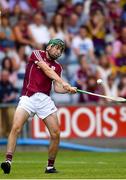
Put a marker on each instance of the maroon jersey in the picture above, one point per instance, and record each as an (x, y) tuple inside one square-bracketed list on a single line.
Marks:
[(35, 79)]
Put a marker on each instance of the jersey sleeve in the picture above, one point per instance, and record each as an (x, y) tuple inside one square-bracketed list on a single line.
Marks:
[(59, 69), (35, 56)]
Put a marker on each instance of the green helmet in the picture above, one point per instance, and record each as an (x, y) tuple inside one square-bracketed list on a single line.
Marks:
[(57, 42)]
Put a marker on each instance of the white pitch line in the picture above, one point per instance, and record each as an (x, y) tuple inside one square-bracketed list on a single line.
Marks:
[(63, 162)]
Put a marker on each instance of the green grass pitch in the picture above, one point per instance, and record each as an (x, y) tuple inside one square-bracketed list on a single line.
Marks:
[(70, 164)]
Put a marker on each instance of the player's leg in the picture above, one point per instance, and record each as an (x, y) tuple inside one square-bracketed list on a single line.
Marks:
[(20, 117), (52, 124)]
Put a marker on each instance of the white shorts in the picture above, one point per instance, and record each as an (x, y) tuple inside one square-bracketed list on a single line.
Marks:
[(39, 103)]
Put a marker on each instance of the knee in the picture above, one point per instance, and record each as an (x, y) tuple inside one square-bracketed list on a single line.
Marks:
[(55, 135), (16, 129)]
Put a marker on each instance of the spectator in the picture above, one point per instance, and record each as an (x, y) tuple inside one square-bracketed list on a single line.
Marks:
[(57, 27), (82, 44), (61, 10), (114, 10), (111, 86), (123, 15), (24, 5), (120, 61), (97, 5), (109, 55), (7, 64), (119, 42), (6, 34), (39, 31), (8, 93), (85, 71), (38, 7), (69, 7), (108, 50), (72, 25), (104, 67), (58, 30), (96, 26), (23, 36), (79, 11), (15, 15), (122, 86)]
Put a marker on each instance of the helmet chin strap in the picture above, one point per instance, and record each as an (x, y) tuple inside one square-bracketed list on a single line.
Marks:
[(51, 57)]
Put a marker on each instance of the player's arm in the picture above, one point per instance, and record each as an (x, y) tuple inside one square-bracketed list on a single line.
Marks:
[(61, 85)]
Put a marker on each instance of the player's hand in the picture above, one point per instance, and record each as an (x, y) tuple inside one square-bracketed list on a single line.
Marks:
[(73, 90), (69, 88)]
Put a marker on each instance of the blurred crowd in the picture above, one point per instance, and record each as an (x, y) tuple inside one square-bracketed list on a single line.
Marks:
[(95, 35)]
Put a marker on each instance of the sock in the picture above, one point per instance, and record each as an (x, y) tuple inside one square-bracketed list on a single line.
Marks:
[(9, 157), (51, 162)]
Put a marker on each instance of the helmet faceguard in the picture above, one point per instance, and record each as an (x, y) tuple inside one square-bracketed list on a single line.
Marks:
[(55, 42)]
